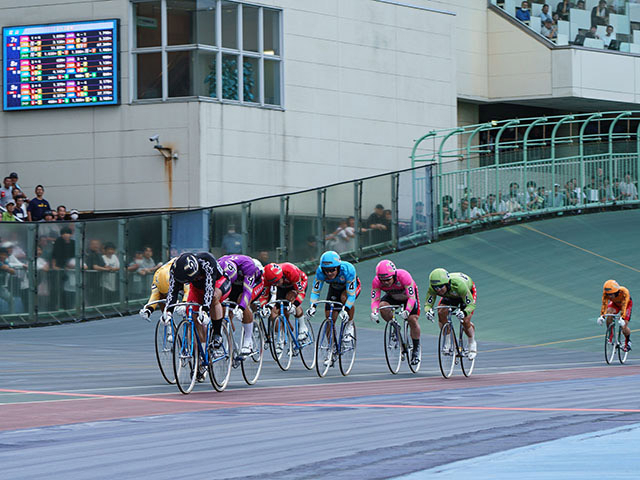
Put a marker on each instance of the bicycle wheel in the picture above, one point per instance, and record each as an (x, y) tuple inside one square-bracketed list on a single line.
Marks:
[(252, 364), (609, 343), (164, 351), (347, 354), (465, 363), (407, 338), (446, 350), (622, 354), (281, 345), (307, 344), (220, 359), (324, 348), (392, 346), (185, 357)]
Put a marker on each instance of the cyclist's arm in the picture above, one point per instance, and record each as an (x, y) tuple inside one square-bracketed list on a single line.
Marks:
[(625, 304), (375, 299), (155, 292), (410, 292), (301, 286), (315, 292), (605, 302), (172, 293), (351, 293), (247, 292), (467, 299), (431, 298)]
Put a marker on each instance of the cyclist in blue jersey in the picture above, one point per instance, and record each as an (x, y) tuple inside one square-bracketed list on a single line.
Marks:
[(344, 286)]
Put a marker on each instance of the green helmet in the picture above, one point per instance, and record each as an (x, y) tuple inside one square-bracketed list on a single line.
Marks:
[(439, 278)]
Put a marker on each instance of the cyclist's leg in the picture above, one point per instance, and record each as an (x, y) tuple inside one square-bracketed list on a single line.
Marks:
[(469, 327), (414, 316), (442, 312), (220, 295), (387, 313)]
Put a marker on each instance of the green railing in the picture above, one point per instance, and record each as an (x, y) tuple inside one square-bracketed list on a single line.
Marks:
[(48, 276), (505, 170)]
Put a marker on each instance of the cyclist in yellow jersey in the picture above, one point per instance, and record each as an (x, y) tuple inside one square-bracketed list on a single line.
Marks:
[(160, 288)]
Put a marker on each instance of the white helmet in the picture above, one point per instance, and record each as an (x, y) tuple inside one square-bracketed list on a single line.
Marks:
[(258, 265)]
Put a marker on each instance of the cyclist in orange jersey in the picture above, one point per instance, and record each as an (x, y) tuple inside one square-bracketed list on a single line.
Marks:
[(617, 299)]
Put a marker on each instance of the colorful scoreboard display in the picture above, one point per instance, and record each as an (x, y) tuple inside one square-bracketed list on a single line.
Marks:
[(60, 65)]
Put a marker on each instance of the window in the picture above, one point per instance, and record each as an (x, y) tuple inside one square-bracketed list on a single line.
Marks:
[(215, 49)]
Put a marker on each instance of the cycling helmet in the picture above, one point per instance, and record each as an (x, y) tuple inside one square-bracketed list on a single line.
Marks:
[(186, 268), (258, 264), (439, 278), (329, 260), (611, 286), (385, 270), (272, 273)]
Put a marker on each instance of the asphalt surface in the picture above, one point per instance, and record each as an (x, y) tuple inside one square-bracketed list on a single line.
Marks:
[(87, 401)]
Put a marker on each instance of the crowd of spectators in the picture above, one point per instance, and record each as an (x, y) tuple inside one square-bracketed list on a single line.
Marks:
[(15, 206), (549, 20), (597, 189)]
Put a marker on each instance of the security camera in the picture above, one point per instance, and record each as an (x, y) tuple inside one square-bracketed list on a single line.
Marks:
[(155, 138)]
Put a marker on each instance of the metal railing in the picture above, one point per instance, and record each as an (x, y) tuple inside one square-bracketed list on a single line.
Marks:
[(54, 272), (510, 169)]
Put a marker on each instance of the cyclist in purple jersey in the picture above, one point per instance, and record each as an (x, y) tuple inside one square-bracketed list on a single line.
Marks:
[(245, 274)]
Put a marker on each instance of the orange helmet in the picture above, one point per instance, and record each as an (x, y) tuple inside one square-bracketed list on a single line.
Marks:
[(611, 286)]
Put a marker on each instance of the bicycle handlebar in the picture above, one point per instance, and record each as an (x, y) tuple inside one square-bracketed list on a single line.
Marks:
[(329, 302), (185, 304), (155, 302), (275, 303)]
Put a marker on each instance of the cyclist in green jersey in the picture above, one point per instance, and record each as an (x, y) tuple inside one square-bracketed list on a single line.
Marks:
[(456, 290)]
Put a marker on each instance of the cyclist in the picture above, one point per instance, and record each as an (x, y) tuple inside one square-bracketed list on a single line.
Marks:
[(285, 281), (344, 287), (455, 290), (398, 288), (245, 275), (159, 289), (208, 286), (617, 299)]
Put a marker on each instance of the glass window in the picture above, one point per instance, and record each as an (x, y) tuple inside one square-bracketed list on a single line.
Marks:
[(271, 32), (179, 66), (250, 28), (230, 77), (251, 80), (229, 25), (206, 22), (272, 82), (181, 16), (149, 75), (148, 25), (205, 78)]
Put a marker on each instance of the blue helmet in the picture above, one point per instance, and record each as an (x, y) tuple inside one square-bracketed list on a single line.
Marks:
[(330, 259)]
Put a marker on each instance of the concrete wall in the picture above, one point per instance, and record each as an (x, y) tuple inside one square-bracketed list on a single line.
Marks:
[(363, 79)]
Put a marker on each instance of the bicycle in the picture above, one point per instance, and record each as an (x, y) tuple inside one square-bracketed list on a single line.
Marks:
[(164, 335), (397, 345), (251, 364), (614, 342), (287, 340), (331, 346), (188, 351), (452, 349)]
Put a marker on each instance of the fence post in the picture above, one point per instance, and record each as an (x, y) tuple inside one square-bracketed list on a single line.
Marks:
[(581, 150), (32, 272), (496, 160), (123, 235), (525, 145), (165, 237), (284, 207), (320, 221), (553, 147), (395, 178), (357, 210), (244, 226), (81, 290), (613, 124)]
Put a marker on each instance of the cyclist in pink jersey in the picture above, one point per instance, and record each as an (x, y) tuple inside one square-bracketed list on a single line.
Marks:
[(399, 289)]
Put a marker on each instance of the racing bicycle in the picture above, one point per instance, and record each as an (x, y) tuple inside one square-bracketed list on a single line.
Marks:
[(614, 341), (251, 365), (335, 344), (288, 339), (397, 345), (453, 349)]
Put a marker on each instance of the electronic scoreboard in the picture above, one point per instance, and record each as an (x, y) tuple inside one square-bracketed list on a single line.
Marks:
[(60, 65)]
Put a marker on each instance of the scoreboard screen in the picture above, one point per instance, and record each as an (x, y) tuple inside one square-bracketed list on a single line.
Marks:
[(60, 65)]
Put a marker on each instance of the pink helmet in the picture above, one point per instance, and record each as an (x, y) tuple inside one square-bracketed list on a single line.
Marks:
[(385, 269)]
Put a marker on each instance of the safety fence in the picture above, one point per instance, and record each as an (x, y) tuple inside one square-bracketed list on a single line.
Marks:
[(53, 272), (520, 168)]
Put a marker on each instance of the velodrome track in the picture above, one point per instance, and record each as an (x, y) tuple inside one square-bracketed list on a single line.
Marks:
[(87, 401)]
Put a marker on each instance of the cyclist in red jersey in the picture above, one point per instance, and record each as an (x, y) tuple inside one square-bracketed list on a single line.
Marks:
[(285, 281)]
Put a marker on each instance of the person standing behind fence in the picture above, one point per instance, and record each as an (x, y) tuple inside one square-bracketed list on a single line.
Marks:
[(628, 190), (6, 192), (38, 205), (110, 277)]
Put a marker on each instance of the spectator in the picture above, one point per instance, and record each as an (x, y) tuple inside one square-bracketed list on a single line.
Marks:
[(477, 213), (419, 217), (61, 212), (149, 265), (6, 192), (21, 208), (232, 241), (592, 33), (615, 189), (446, 216), (9, 215), (332, 240), (545, 15), (549, 30), (348, 235), (628, 190), (263, 256), (135, 267), (73, 214), (491, 206), (563, 9), (599, 14), (531, 195), (558, 198), (609, 36), (42, 268), (37, 206), (47, 228), (523, 14), (463, 214), (542, 197), (16, 192), (6, 272), (14, 180), (570, 194), (64, 248), (95, 264), (110, 277), (580, 5), (377, 224), (514, 194), (310, 251), (447, 200), (605, 192)]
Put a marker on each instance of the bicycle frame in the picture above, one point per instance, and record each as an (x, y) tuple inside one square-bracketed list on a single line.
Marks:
[(461, 354), (293, 331), (613, 339), (337, 342), (189, 317), (396, 309)]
